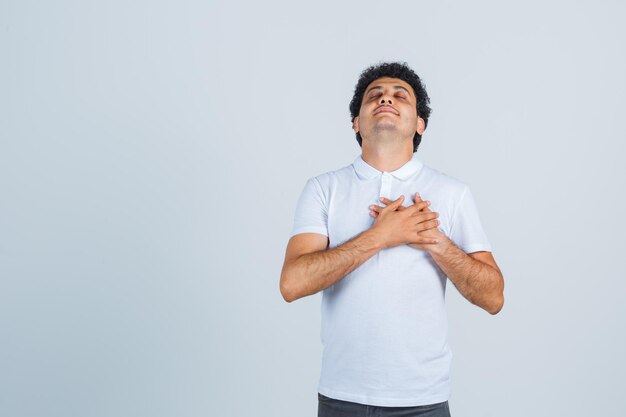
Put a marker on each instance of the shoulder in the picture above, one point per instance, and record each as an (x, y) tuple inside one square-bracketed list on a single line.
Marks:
[(446, 184), (326, 179)]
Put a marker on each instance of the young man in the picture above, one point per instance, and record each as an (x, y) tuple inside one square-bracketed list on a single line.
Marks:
[(382, 260)]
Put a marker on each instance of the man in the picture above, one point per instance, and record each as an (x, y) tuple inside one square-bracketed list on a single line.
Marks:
[(383, 275)]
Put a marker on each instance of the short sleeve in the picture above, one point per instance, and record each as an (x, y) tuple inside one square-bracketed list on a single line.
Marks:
[(466, 230), (311, 214)]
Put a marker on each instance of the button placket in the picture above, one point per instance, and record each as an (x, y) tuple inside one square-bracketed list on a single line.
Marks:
[(385, 185)]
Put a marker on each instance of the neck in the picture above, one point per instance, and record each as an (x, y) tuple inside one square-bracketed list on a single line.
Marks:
[(387, 158)]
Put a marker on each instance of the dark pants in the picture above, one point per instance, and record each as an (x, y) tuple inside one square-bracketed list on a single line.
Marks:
[(330, 407)]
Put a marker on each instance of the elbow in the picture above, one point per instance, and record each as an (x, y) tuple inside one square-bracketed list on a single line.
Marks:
[(498, 302), (287, 294), (286, 288), (497, 306), (498, 299)]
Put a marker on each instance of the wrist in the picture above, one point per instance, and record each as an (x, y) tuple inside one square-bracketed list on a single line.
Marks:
[(440, 247), (376, 238)]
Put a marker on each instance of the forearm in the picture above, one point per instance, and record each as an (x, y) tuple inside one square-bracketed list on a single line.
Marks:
[(479, 283), (313, 272)]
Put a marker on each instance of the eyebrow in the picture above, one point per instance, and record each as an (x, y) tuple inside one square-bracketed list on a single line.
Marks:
[(397, 87)]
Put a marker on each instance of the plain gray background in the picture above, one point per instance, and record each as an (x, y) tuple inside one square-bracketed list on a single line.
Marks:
[(152, 154)]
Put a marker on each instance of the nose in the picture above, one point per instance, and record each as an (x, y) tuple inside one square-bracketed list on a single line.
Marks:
[(382, 100)]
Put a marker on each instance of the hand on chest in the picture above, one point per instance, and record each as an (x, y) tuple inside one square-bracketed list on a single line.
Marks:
[(348, 213)]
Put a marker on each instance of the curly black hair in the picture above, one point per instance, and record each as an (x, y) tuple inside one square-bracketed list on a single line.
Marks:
[(399, 70)]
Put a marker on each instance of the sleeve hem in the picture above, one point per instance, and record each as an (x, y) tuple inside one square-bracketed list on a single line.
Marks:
[(476, 247), (309, 229)]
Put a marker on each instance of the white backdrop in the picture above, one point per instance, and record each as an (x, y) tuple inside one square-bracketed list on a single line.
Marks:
[(151, 155)]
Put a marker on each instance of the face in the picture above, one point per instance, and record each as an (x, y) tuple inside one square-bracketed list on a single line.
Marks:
[(389, 104)]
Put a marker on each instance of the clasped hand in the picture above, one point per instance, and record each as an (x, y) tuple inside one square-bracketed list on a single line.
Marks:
[(415, 225)]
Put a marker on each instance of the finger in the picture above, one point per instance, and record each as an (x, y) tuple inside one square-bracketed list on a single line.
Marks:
[(417, 198), (387, 202), (375, 208), (394, 204), (422, 217), (425, 208), (427, 240), (373, 214), (431, 224), (418, 208), (420, 205)]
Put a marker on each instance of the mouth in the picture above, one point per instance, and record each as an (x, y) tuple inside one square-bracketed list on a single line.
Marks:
[(385, 109)]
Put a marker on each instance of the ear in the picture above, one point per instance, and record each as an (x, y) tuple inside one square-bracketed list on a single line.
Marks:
[(355, 125), (421, 126)]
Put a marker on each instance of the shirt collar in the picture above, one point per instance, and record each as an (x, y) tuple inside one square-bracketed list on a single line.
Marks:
[(368, 172)]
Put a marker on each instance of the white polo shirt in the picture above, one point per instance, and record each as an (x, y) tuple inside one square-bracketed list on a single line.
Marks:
[(384, 325)]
